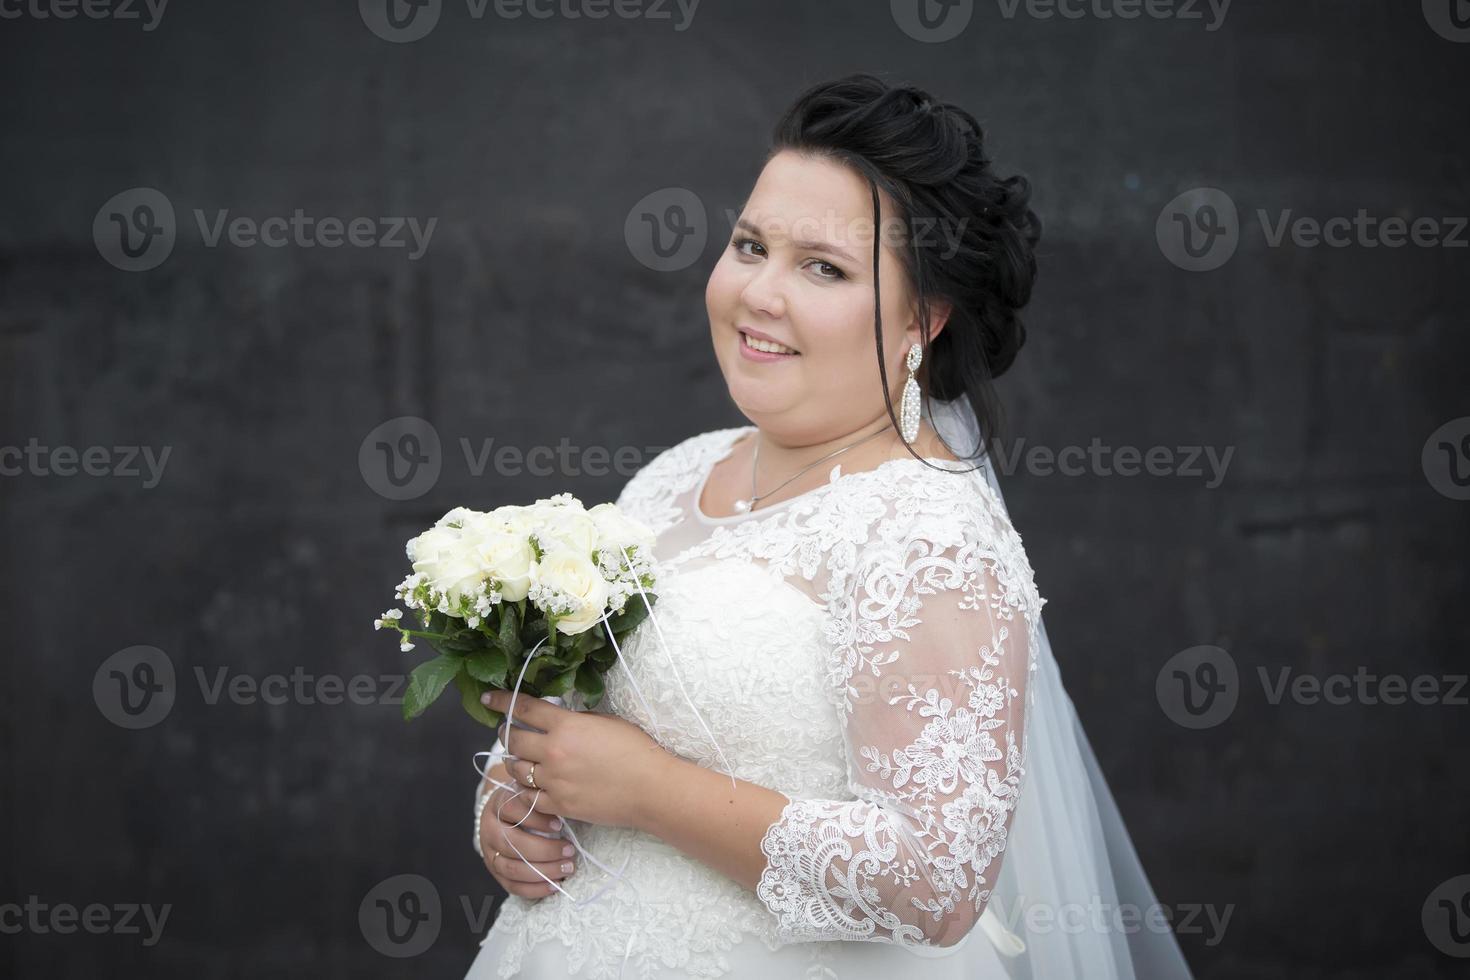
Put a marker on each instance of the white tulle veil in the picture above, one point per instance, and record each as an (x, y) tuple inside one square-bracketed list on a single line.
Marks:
[(1072, 898)]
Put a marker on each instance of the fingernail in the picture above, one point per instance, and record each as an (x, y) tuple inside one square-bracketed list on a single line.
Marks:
[(568, 851), (556, 825), (485, 700), (566, 866)]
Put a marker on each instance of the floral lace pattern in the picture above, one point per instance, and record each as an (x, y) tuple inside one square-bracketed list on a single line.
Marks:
[(864, 650)]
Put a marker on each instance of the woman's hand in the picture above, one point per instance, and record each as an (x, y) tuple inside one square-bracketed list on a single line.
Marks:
[(588, 766), (498, 833)]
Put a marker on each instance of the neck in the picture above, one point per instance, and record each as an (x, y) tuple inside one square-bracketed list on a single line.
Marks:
[(779, 459)]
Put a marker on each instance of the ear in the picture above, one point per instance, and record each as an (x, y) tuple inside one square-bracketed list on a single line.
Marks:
[(939, 311)]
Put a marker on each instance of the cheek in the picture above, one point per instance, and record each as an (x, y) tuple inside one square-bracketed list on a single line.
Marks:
[(724, 285), (847, 315)]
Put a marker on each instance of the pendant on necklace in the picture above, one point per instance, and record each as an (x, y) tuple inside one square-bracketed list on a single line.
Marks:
[(741, 506)]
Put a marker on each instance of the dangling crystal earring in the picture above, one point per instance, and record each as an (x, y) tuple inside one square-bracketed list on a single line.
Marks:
[(909, 412)]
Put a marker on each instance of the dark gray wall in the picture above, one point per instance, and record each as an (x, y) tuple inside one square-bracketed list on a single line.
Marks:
[(1328, 547)]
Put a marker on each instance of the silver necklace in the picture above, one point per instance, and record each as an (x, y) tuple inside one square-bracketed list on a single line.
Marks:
[(743, 506)]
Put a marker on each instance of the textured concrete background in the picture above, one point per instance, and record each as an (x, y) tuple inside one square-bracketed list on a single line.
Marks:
[(264, 548)]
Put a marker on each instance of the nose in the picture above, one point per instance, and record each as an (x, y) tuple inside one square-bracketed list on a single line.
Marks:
[(762, 292)]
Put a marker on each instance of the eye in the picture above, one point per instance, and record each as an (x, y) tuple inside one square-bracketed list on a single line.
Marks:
[(835, 273), (739, 245)]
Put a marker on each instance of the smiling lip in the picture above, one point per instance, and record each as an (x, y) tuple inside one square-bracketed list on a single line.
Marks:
[(751, 354), (759, 335)]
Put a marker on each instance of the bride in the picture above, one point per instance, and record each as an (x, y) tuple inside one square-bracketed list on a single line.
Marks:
[(840, 747)]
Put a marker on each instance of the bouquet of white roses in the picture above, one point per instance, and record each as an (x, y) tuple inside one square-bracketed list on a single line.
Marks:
[(508, 598)]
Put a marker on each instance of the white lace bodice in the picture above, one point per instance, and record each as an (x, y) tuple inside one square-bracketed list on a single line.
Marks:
[(864, 649)]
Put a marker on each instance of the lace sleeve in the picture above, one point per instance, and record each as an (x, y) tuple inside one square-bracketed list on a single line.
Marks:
[(933, 643)]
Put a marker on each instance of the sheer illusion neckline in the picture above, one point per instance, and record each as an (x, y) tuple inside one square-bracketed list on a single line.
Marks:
[(698, 510)]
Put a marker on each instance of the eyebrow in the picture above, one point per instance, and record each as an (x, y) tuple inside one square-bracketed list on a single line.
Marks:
[(822, 247)]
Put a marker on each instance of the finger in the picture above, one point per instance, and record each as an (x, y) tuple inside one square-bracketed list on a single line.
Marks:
[(521, 773), (531, 891), (517, 810), (533, 711), (521, 846), (527, 873), (521, 743)]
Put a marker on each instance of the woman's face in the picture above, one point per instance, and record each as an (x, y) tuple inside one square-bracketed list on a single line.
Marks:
[(799, 269)]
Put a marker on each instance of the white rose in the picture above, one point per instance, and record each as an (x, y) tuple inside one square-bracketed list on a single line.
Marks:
[(574, 574), (515, 519), (428, 545), (616, 530), (457, 515), (505, 556), (447, 564), (566, 527)]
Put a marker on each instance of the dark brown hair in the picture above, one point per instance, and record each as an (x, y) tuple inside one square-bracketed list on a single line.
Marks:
[(929, 158)]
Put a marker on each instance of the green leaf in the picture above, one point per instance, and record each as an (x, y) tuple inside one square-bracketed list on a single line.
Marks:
[(459, 643), (559, 685), (469, 696), (541, 665), (510, 630), (427, 682), (589, 682), (593, 638), (488, 666), (634, 612)]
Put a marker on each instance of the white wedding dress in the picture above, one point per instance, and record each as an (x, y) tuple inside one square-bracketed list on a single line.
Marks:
[(873, 650)]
